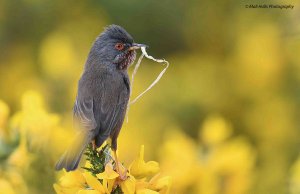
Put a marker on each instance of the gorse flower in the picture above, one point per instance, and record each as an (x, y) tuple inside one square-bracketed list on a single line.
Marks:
[(20, 157), (101, 178), (6, 187), (70, 183), (140, 169), (33, 121), (218, 161)]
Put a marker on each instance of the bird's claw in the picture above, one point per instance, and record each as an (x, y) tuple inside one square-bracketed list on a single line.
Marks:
[(122, 177), (122, 173), (94, 145)]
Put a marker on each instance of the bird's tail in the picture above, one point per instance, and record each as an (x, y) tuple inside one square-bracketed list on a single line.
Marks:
[(71, 158)]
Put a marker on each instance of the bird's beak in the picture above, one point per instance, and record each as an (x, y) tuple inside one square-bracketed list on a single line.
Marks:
[(136, 46)]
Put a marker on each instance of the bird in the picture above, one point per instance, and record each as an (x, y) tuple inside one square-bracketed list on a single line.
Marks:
[(102, 95)]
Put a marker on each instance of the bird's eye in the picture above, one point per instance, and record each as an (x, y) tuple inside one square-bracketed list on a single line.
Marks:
[(119, 46)]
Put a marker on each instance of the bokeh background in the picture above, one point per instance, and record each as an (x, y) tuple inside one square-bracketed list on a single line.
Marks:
[(223, 120)]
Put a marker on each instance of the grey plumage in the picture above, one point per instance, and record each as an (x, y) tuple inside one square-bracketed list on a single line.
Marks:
[(103, 94)]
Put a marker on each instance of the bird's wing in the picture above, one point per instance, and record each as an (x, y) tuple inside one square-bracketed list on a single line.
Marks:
[(112, 107), (84, 114)]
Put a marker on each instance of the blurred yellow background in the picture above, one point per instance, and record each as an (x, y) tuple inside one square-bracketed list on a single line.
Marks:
[(223, 120)]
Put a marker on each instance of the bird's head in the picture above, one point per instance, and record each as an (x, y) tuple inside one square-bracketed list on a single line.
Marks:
[(115, 47)]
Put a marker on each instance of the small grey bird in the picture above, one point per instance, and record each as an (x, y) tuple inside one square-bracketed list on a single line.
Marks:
[(103, 94)]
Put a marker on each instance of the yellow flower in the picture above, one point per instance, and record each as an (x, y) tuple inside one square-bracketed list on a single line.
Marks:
[(161, 184), (32, 101), (140, 169), (109, 173), (88, 164), (73, 179), (108, 177), (104, 183), (141, 184), (15, 179), (179, 160), (21, 157), (62, 190), (34, 121), (70, 183), (6, 187), (215, 130), (128, 186), (94, 183)]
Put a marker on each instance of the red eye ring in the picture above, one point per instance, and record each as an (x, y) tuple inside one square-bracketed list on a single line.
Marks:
[(119, 46)]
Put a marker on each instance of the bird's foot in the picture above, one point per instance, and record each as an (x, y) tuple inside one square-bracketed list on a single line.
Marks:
[(122, 171), (119, 168), (122, 175), (94, 145)]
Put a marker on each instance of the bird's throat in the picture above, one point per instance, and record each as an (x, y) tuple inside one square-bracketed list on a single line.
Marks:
[(126, 60)]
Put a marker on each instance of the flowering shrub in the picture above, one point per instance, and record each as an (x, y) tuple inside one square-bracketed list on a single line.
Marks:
[(100, 177), (218, 160), (32, 138)]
